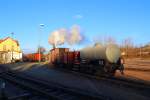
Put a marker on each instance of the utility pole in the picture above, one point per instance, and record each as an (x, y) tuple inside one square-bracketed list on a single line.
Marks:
[(39, 47), (12, 34)]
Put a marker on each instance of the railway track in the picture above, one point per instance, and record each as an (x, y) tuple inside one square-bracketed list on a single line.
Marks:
[(49, 91), (141, 87)]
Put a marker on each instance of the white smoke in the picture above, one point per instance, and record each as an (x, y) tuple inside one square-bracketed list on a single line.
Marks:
[(60, 36), (74, 37), (57, 37)]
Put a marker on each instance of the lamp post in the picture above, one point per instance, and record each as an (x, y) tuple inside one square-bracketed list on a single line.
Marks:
[(40, 32), (12, 34)]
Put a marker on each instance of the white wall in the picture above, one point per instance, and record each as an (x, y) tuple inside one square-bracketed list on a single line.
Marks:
[(7, 57)]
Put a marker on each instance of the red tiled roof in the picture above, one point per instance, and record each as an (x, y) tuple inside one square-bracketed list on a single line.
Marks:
[(1, 41)]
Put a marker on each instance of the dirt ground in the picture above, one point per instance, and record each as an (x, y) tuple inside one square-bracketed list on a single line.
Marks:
[(137, 69), (49, 74)]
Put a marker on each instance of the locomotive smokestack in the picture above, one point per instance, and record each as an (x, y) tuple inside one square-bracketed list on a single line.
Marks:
[(54, 46)]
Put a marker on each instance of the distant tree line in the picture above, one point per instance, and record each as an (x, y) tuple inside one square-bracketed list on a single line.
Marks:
[(134, 51), (128, 48)]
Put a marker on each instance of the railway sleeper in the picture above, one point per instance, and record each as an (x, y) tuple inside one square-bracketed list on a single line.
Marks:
[(46, 87)]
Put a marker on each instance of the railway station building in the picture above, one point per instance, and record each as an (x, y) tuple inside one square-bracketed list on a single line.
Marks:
[(10, 50)]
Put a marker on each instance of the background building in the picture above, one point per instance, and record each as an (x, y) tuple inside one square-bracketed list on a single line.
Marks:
[(10, 50)]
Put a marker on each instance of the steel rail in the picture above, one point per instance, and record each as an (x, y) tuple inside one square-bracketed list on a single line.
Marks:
[(48, 90), (142, 87)]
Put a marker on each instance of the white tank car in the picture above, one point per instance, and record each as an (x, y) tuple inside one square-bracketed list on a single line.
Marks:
[(110, 52), (87, 53)]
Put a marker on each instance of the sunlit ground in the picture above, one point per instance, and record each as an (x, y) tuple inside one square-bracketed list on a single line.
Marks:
[(24, 66), (138, 68)]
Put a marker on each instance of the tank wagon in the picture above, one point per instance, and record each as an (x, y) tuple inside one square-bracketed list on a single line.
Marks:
[(98, 59)]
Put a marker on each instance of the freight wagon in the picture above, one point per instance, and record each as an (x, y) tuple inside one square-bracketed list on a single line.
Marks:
[(33, 57), (55, 55), (89, 61)]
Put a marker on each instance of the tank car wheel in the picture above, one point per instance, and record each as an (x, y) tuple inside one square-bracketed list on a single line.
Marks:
[(112, 74), (109, 71), (112, 71)]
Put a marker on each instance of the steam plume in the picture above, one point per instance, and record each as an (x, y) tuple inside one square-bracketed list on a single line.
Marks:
[(74, 37), (57, 37), (60, 36)]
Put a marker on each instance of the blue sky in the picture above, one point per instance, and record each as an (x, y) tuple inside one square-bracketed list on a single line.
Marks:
[(117, 18)]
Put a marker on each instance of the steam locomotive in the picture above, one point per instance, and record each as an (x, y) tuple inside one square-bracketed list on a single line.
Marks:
[(97, 60)]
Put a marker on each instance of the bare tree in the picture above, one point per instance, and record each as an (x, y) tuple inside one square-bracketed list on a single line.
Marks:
[(41, 49), (109, 40), (127, 46), (128, 43), (104, 39)]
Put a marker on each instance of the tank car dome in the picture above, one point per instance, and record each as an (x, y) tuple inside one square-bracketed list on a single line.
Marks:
[(97, 44)]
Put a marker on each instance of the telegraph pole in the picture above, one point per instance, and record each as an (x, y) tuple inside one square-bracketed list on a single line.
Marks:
[(12, 34)]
